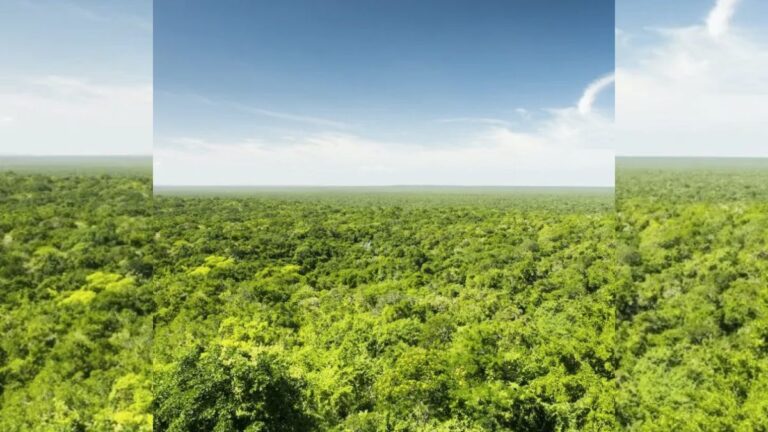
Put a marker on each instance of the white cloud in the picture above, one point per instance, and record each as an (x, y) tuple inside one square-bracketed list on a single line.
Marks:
[(570, 147), (719, 18), (69, 115), (501, 157), (592, 91), (700, 90)]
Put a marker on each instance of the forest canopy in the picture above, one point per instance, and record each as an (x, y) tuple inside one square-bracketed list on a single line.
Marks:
[(386, 310)]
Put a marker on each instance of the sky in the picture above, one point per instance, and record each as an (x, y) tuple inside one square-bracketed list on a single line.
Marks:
[(76, 77), (368, 92), (692, 78)]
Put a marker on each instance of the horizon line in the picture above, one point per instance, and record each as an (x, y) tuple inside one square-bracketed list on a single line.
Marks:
[(116, 155), (376, 186), (152, 156)]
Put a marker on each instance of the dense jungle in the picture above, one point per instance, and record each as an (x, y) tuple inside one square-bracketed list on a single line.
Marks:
[(692, 312), (386, 309)]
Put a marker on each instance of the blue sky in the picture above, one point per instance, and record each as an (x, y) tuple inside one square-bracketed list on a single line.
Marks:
[(76, 77), (635, 15), (691, 78), (249, 80)]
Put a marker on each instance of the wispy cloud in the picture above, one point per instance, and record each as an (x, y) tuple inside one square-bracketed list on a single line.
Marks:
[(524, 113), (592, 91), (475, 120), (315, 121), (569, 147), (261, 111), (76, 89), (698, 90), (80, 11), (719, 18), (621, 38)]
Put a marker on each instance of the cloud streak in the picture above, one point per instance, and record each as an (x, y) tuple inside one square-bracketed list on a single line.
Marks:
[(590, 94), (475, 120), (315, 121), (89, 14), (262, 112)]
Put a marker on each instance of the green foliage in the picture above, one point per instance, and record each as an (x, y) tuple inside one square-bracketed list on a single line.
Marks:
[(372, 310), (389, 313), (230, 389), (693, 310), (75, 310)]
